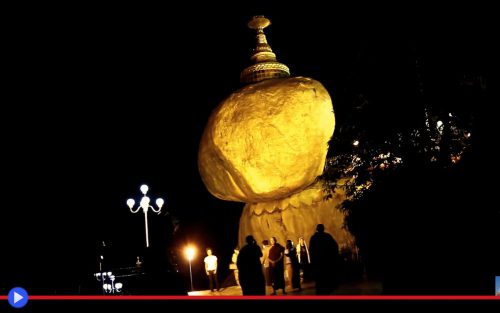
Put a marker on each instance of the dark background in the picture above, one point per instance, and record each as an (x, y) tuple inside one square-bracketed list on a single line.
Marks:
[(99, 100)]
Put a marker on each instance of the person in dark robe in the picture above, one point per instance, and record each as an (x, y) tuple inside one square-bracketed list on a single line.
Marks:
[(324, 253), (277, 266), (250, 272)]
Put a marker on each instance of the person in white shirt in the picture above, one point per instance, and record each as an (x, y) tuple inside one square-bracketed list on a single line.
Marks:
[(211, 270)]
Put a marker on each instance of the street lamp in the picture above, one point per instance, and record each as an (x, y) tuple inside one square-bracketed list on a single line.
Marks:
[(190, 252), (144, 204), (108, 282)]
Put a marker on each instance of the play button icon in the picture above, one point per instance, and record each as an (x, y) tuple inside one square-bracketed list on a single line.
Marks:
[(18, 297)]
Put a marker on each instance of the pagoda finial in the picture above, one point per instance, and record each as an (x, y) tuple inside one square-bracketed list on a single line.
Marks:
[(265, 64)]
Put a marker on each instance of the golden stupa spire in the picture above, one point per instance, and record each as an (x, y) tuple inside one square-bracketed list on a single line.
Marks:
[(265, 64)]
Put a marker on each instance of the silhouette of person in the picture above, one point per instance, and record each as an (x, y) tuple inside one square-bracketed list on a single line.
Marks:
[(276, 266), (250, 269), (324, 253), (211, 270)]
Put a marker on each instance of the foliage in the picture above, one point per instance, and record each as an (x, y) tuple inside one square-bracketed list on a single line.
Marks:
[(368, 157)]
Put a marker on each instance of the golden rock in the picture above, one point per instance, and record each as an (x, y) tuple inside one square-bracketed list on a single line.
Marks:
[(266, 144), (267, 140)]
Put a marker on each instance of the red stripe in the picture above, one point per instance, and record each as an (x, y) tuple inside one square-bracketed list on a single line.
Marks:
[(365, 297)]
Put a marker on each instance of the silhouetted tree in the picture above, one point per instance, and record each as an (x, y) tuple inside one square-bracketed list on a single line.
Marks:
[(408, 161)]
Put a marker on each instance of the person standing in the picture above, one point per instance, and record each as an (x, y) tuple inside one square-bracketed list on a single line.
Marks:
[(276, 266), (303, 258), (233, 267), (211, 270), (324, 252), (250, 268), (265, 260), (292, 265)]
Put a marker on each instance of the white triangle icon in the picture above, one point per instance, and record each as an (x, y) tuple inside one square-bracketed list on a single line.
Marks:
[(17, 297)]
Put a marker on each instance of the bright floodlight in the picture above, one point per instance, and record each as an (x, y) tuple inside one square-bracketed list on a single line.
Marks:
[(159, 202), (145, 202), (144, 189), (190, 252), (355, 143), (439, 123), (130, 203)]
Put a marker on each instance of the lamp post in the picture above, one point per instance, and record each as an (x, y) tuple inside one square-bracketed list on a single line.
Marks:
[(108, 282), (144, 204), (190, 252)]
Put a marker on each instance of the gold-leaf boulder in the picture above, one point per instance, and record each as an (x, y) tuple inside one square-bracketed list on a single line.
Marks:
[(267, 140)]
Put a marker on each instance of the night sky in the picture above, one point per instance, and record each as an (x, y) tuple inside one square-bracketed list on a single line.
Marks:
[(101, 100)]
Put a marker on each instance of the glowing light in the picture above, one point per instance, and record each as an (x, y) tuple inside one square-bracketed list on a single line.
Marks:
[(455, 158), (384, 156), (144, 189), (355, 143), (190, 252), (468, 135), (145, 202), (440, 127), (118, 286)]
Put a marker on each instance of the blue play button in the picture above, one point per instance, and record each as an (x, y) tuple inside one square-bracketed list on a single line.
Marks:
[(18, 297)]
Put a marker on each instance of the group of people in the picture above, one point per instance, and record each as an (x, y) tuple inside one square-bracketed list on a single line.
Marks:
[(258, 267), (279, 261)]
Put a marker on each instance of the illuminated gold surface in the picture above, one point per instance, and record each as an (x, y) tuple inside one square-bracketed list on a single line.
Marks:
[(266, 66), (267, 140), (296, 216), (265, 145), (259, 22)]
